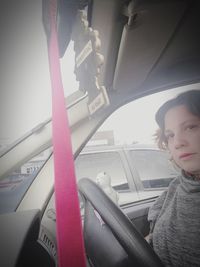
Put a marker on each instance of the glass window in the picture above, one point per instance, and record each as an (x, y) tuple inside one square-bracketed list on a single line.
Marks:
[(130, 128), (14, 186), (154, 168), (90, 165)]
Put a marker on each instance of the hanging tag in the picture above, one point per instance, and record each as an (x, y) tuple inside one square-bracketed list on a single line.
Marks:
[(88, 62)]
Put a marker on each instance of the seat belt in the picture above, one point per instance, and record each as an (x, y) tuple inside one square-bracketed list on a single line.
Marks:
[(68, 219)]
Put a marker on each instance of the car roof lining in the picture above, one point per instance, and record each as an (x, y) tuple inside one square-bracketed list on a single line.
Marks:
[(143, 42), (160, 49)]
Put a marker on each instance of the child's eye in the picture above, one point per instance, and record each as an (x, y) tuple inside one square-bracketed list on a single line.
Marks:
[(169, 136), (192, 126)]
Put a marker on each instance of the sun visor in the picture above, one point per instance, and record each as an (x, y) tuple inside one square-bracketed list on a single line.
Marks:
[(145, 37)]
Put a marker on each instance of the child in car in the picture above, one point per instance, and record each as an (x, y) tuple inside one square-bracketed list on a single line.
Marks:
[(175, 216)]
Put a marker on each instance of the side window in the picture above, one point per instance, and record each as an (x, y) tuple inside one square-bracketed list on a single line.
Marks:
[(130, 128), (154, 168), (91, 164), (14, 186)]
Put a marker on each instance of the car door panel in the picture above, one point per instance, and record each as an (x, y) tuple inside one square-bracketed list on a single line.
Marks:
[(137, 213)]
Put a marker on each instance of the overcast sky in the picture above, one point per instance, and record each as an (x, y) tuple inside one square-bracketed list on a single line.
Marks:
[(137, 119)]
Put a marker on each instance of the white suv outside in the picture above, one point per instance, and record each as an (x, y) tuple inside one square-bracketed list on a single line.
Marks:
[(137, 171)]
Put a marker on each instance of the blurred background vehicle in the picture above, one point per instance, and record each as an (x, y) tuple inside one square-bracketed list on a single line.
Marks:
[(137, 172)]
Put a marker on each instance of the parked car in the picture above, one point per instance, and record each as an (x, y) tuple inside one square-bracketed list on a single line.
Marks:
[(137, 172)]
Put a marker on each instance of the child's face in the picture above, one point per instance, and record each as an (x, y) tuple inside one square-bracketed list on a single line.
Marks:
[(182, 131)]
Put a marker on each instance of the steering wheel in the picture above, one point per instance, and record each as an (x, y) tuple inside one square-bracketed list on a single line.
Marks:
[(110, 237)]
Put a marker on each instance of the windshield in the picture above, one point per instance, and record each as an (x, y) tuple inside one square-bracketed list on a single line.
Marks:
[(25, 97), (15, 184)]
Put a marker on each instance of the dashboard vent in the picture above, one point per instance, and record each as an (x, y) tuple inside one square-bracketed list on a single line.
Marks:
[(47, 243)]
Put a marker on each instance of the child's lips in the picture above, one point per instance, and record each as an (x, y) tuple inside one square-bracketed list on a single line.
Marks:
[(185, 156)]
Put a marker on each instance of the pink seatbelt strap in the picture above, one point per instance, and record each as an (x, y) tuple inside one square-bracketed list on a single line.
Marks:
[(68, 220)]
